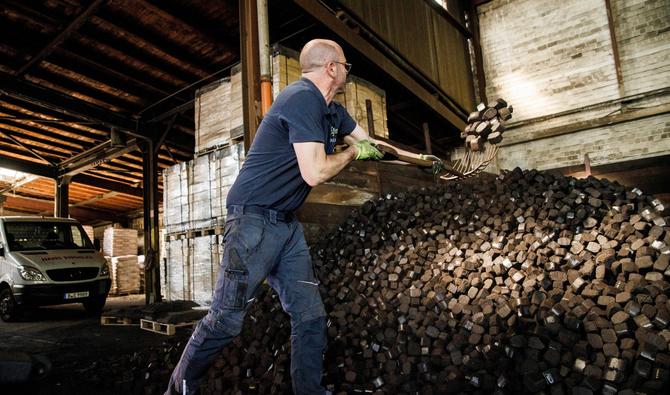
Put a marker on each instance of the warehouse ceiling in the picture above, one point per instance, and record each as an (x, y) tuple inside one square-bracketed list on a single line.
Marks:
[(73, 70), (123, 61)]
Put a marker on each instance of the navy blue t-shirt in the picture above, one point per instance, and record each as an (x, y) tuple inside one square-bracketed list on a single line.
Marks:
[(270, 176)]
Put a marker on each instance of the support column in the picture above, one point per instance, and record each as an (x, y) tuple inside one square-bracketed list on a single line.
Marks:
[(249, 56), (152, 282), (61, 202)]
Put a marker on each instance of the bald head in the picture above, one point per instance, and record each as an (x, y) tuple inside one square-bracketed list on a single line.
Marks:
[(317, 53)]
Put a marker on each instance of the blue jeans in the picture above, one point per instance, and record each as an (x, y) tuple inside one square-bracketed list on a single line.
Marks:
[(258, 246)]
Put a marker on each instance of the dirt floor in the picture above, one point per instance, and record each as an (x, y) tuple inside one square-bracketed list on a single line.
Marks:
[(88, 358)]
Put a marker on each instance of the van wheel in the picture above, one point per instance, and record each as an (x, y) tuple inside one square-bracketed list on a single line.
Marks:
[(8, 309), (95, 304)]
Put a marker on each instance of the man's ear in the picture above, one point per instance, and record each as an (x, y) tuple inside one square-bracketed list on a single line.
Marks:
[(331, 69)]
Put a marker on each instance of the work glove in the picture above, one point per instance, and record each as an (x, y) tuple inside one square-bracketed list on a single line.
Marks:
[(438, 164), (365, 150)]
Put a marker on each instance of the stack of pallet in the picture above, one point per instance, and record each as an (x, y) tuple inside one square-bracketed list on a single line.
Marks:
[(195, 213), (191, 267), (120, 248), (196, 191)]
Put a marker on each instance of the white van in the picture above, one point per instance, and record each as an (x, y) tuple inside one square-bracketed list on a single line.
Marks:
[(47, 261)]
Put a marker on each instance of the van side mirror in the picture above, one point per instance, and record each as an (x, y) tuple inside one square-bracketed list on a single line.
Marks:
[(2, 249)]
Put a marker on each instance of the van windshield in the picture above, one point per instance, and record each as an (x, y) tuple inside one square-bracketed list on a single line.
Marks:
[(30, 236)]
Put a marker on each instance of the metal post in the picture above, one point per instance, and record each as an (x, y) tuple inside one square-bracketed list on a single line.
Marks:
[(61, 202), (249, 56), (151, 232), (264, 48)]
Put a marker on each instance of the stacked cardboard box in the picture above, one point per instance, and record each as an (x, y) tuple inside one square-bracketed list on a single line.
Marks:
[(119, 242), (285, 68), (125, 273), (212, 115), (120, 248), (196, 192), (175, 197), (193, 268)]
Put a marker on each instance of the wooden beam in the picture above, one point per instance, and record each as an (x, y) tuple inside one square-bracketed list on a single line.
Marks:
[(62, 36), (105, 183), (95, 199), (27, 167), (320, 13), (19, 183), (64, 104), (25, 147), (84, 179), (479, 58), (56, 144), (426, 137), (94, 160), (449, 17), (249, 54), (120, 73), (103, 97), (588, 124), (41, 206), (161, 138), (615, 47)]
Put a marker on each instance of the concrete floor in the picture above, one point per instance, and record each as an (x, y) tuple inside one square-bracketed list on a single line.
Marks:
[(73, 341)]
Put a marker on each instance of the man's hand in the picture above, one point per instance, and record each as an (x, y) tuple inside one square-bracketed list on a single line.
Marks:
[(438, 165), (366, 151)]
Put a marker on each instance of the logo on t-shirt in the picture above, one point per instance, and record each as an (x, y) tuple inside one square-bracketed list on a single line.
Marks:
[(333, 134)]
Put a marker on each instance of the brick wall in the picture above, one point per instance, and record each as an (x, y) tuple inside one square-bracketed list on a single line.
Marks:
[(549, 59), (643, 35), (642, 138)]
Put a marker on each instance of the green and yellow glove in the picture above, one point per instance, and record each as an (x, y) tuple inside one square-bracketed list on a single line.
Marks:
[(365, 150), (438, 164)]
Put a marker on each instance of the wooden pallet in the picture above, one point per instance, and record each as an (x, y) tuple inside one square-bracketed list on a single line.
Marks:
[(189, 234), (163, 328), (117, 321)]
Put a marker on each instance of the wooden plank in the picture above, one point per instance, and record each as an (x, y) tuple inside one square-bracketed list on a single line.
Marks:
[(249, 55), (164, 329), (117, 321), (62, 36), (339, 194), (320, 13)]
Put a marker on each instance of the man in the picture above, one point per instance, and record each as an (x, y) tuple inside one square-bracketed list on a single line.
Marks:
[(292, 152)]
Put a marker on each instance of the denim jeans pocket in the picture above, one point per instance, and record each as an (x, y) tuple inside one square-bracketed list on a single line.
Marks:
[(245, 234), (235, 283)]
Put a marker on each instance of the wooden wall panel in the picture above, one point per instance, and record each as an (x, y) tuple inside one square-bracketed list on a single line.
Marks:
[(424, 38)]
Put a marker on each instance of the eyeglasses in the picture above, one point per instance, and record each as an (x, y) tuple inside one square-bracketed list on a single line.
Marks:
[(347, 66)]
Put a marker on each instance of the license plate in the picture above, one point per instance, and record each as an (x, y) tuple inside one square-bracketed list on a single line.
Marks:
[(76, 295)]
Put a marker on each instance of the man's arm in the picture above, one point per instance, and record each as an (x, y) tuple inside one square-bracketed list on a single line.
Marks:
[(316, 167), (360, 134)]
